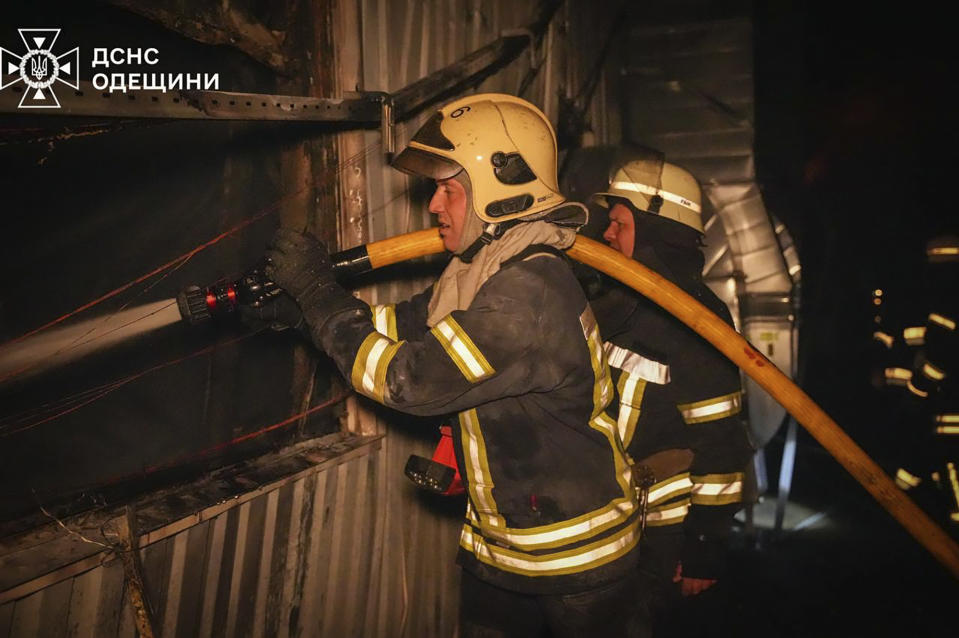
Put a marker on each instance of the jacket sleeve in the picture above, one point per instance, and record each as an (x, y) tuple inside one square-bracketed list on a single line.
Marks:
[(468, 358), (615, 310), (403, 320), (721, 452)]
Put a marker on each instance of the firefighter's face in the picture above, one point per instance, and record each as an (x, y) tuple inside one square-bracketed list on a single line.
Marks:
[(449, 206), (621, 233)]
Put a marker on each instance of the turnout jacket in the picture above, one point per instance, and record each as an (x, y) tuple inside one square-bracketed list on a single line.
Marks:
[(678, 409), (551, 507)]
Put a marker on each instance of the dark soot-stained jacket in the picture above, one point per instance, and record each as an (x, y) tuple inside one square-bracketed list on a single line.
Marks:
[(551, 506), (678, 393)]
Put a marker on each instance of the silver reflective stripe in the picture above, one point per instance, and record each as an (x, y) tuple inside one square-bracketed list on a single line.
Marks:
[(636, 364), (631, 391), (638, 187), (717, 489), (679, 485), (462, 350), (480, 481), (372, 361), (384, 320), (569, 561), (711, 409), (672, 514), (603, 386)]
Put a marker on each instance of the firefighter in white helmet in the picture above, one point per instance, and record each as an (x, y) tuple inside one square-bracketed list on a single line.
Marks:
[(679, 399), (507, 343)]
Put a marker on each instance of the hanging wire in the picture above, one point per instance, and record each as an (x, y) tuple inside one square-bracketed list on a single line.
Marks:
[(219, 447), (87, 397)]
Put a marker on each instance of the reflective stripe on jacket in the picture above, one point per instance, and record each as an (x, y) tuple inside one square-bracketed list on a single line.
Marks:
[(551, 504)]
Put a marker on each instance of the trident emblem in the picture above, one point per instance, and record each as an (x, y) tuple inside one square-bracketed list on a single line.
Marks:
[(38, 67)]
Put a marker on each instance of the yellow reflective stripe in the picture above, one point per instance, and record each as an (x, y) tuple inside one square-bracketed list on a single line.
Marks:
[(462, 350), (886, 339), (897, 376), (947, 418), (717, 489), (712, 409), (478, 475), (665, 490), (372, 361), (905, 480), (919, 393), (631, 390), (571, 561), (565, 532), (945, 322), (953, 482), (933, 372), (603, 384), (947, 429), (668, 514), (939, 251), (636, 364), (384, 320), (558, 534), (624, 474), (915, 335)]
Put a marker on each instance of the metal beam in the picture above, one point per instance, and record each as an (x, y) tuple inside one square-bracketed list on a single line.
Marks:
[(474, 67), (360, 108)]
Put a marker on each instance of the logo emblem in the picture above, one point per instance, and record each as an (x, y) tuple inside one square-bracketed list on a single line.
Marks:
[(39, 68)]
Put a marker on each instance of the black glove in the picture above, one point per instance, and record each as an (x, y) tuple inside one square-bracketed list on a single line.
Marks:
[(299, 263), (279, 313)]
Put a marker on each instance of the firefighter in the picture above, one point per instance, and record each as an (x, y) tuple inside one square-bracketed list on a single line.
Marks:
[(506, 341), (679, 398)]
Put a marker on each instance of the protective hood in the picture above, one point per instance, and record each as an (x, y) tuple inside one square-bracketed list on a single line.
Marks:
[(460, 281)]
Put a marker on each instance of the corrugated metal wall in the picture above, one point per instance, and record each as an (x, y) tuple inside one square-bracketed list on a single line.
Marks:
[(351, 549), (297, 560)]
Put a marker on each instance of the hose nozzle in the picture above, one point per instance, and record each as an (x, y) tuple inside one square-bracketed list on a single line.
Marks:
[(200, 305)]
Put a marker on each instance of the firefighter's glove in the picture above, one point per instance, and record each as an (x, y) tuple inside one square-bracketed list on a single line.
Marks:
[(299, 263), (278, 313)]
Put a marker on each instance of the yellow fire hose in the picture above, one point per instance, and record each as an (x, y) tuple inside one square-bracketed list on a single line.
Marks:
[(738, 350)]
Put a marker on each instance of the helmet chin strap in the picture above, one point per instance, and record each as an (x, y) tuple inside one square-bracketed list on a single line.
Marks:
[(491, 232)]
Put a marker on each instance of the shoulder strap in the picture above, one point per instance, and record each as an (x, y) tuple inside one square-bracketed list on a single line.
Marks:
[(536, 249)]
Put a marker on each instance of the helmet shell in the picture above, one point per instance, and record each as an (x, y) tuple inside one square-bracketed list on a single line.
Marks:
[(506, 146), (640, 181)]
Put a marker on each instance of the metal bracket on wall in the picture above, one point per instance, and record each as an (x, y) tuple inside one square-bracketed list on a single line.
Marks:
[(359, 108), (362, 109)]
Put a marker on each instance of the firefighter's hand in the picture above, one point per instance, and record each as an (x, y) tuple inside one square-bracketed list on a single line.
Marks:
[(691, 586), (279, 313), (299, 263)]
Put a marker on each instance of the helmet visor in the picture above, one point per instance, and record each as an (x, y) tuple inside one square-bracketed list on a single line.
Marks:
[(425, 164)]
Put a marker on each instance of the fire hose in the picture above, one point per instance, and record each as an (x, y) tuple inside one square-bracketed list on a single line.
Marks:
[(674, 300)]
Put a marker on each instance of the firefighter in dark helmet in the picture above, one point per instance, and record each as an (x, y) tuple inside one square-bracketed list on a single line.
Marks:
[(506, 341)]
